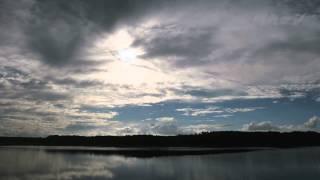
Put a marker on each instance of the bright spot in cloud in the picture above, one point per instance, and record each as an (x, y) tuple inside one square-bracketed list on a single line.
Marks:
[(127, 55), (124, 63)]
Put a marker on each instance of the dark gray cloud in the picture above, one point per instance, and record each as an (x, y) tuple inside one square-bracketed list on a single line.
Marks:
[(212, 92), (16, 84), (187, 48), (55, 31), (74, 82), (298, 46), (261, 126), (216, 92), (310, 7), (15, 79)]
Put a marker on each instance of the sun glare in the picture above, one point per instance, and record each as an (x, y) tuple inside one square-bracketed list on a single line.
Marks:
[(127, 55)]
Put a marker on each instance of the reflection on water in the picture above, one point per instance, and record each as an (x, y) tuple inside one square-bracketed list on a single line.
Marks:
[(36, 163)]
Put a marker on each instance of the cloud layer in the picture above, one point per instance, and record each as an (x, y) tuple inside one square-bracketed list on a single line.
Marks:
[(64, 65)]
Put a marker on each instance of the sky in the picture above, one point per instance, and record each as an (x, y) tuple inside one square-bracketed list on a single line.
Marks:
[(163, 67)]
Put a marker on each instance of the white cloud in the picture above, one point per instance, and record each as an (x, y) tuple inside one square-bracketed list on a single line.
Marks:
[(310, 124), (215, 110), (236, 110), (198, 128), (170, 126), (165, 119), (166, 126), (223, 116), (199, 112)]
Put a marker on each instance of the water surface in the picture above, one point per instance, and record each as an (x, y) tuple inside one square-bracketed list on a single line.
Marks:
[(37, 163)]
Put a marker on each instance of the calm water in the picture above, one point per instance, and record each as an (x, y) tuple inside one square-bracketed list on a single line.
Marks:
[(37, 163)]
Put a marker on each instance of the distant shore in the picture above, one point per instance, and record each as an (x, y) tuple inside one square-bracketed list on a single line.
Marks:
[(220, 139), (143, 152), (154, 146)]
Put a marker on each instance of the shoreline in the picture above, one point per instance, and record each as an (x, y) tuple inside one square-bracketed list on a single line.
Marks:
[(142, 152)]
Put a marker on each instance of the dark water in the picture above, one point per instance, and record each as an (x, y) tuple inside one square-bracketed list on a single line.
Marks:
[(37, 163)]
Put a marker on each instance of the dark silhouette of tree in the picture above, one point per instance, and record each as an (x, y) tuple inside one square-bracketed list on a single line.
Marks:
[(206, 139)]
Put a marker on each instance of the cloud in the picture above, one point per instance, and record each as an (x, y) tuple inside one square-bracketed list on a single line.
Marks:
[(164, 128), (311, 124), (198, 128), (167, 126), (200, 112), (165, 119), (261, 126), (56, 32), (223, 116), (58, 68), (216, 110), (211, 93), (170, 126), (231, 45), (181, 47), (16, 84), (74, 82)]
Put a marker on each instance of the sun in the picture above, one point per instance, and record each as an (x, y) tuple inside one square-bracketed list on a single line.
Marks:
[(127, 55)]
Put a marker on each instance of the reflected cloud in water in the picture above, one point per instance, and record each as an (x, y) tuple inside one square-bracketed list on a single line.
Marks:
[(36, 163)]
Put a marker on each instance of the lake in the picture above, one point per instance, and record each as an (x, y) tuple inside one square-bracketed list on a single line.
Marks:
[(38, 163)]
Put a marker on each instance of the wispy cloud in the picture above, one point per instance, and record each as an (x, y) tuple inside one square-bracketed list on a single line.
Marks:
[(223, 112)]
